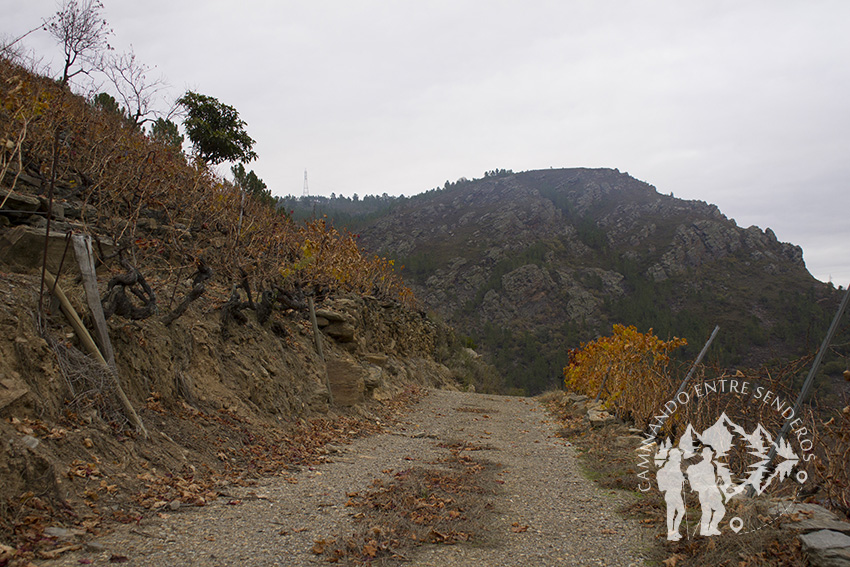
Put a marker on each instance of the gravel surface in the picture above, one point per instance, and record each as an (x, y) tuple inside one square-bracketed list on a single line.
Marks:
[(570, 521)]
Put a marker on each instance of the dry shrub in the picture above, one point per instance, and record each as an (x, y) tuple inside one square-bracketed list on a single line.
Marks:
[(102, 161)]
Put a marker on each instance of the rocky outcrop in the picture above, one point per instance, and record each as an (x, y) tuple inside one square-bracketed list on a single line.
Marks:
[(560, 253), (707, 241)]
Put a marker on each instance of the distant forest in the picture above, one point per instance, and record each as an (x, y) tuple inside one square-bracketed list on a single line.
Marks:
[(355, 212)]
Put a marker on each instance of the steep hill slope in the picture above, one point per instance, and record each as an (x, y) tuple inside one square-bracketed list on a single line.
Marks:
[(186, 348), (530, 264)]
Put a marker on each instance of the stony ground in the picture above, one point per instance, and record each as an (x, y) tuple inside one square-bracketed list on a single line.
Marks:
[(544, 511)]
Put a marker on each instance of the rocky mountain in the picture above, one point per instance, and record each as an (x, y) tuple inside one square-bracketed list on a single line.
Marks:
[(529, 265)]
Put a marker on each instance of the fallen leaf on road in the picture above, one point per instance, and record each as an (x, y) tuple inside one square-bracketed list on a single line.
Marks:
[(371, 548), (319, 546)]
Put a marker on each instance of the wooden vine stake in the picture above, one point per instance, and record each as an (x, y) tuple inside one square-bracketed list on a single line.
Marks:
[(90, 345), (83, 252)]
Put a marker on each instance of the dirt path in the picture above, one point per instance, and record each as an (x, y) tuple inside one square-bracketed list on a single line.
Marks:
[(569, 521)]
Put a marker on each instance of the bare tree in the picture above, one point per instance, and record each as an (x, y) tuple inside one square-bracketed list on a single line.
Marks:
[(135, 90), (82, 31)]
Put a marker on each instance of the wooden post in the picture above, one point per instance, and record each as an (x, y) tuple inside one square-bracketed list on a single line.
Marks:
[(807, 385), (83, 251), (693, 368), (604, 380), (90, 345)]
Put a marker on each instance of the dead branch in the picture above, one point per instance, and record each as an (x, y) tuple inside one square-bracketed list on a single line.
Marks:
[(116, 301), (202, 274)]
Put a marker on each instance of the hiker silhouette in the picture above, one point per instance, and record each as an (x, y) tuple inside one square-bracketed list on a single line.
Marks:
[(671, 481), (702, 476)]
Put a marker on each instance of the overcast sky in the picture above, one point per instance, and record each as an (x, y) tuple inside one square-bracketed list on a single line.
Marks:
[(741, 104)]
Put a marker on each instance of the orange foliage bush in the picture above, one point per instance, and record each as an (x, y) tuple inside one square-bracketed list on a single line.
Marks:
[(634, 367)]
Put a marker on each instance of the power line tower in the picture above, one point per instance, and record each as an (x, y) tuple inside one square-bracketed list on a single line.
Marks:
[(306, 192)]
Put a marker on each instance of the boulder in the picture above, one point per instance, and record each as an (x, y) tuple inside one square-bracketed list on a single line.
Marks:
[(22, 205), (22, 248), (347, 379), (373, 378), (600, 418), (341, 332), (807, 518), (827, 548), (332, 316)]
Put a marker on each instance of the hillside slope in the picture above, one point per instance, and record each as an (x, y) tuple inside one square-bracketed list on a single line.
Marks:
[(205, 296), (531, 264)]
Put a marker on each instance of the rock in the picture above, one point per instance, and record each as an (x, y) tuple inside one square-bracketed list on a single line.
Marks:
[(331, 316), (341, 332), (11, 393), (600, 418), (80, 212), (35, 181), (376, 359), (22, 248), (347, 381), (149, 223), (95, 546), (174, 505), (58, 210), (373, 378), (827, 548), (472, 354), (62, 533), (24, 205), (529, 281), (30, 441), (322, 322), (810, 518)]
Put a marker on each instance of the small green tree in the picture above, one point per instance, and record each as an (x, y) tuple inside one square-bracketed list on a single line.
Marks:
[(165, 132), (107, 103), (251, 184), (215, 130)]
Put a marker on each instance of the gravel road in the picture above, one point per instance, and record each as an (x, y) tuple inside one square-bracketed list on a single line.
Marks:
[(570, 521)]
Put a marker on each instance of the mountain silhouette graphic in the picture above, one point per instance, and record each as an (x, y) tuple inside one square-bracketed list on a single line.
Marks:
[(724, 435)]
